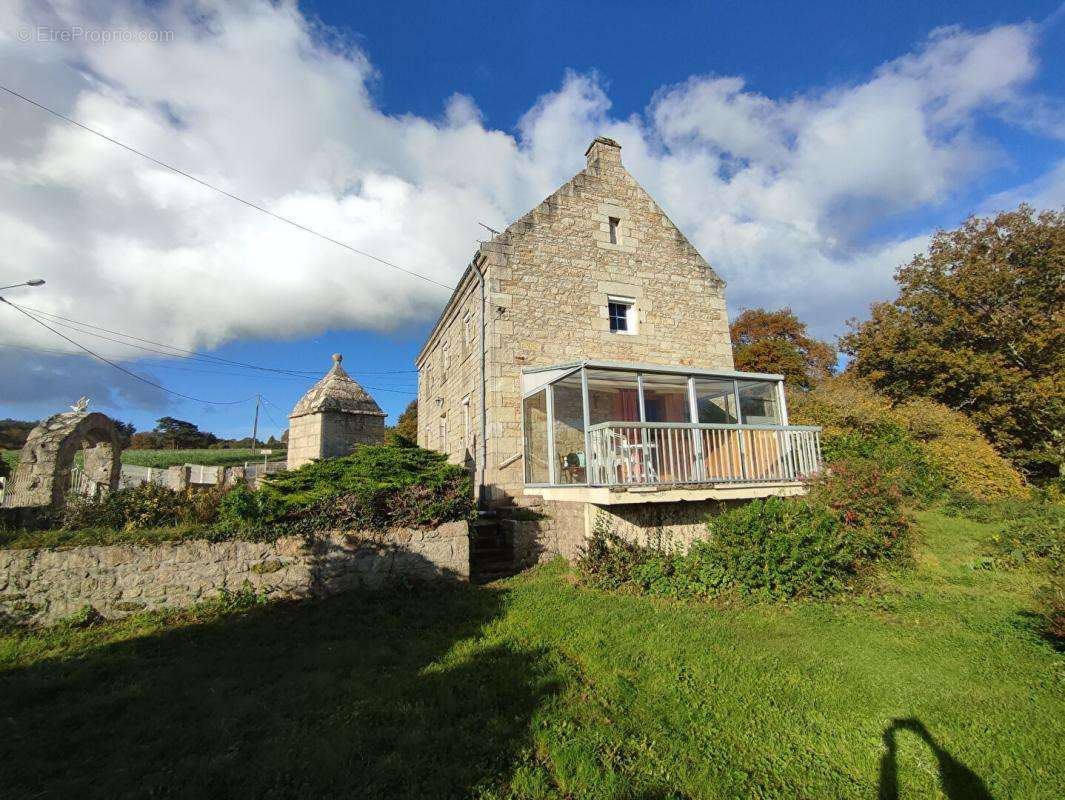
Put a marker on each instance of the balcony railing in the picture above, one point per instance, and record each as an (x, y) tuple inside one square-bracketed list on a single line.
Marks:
[(652, 453)]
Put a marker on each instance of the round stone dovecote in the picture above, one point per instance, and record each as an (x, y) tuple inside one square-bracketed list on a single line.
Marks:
[(333, 418)]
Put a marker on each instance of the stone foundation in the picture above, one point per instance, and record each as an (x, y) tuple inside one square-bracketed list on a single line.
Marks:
[(42, 586), (561, 530), (669, 526), (565, 527)]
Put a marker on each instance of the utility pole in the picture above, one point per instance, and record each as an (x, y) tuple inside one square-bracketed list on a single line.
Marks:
[(255, 424)]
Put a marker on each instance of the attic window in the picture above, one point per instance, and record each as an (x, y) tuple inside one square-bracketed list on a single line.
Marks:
[(614, 223), (622, 313)]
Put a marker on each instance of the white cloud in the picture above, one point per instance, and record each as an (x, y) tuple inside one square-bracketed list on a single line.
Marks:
[(779, 194)]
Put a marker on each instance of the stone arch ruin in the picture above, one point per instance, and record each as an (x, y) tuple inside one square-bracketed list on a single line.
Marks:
[(44, 469)]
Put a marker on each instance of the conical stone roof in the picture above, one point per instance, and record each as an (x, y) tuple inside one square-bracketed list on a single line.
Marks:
[(337, 391)]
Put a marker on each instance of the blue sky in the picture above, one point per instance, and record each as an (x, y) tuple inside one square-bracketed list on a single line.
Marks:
[(807, 149)]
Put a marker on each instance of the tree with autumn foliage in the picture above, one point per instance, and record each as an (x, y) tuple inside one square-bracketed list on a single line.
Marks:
[(778, 342), (979, 325), (407, 422)]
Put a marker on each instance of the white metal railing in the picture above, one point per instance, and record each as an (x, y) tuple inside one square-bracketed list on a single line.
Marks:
[(651, 453)]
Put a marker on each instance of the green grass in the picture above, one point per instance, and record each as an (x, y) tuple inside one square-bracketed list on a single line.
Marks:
[(169, 458), (536, 687), (209, 458)]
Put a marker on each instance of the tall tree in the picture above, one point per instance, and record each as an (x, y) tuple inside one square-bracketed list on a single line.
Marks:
[(14, 432), (778, 341), (407, 422), (175, 433), (979, 325), (125, 433)]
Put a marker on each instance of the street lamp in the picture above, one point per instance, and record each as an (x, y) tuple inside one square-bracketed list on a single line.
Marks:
[(34, 282)]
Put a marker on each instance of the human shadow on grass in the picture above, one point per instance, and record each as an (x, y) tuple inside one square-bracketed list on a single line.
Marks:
[(388, 694), (957, 781)]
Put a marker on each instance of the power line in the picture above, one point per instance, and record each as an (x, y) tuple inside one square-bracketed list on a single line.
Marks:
[(410, 390), (121, 368), (266, 411), (231, 196), (180, 350), (198, 355), (178, 369)]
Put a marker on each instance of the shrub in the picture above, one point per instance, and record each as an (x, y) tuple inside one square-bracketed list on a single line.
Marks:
[(1036, 537), (779, 548), (926, 447), (1051, 601), (775, 548), (861, 497), (376, 487), (145, 506), (954, 445), (896, 452)]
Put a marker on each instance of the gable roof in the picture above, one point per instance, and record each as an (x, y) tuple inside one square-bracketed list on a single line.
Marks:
[(337, 391), (550, 206)]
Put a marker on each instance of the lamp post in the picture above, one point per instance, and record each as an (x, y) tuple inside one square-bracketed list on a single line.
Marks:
[(34, 282)]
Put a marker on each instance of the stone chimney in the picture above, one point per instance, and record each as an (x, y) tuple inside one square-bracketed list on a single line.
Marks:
[(602, 152)]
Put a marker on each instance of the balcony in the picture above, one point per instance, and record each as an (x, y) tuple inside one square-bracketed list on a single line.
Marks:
[(614, 426), (642, 454)]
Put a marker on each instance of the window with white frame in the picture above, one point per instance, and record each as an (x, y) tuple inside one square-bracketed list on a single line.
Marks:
[(622, 314), (443, 432)]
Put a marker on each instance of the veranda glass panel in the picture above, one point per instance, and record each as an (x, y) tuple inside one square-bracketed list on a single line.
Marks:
[(613, 396), (534, 411), (570, 459), (759, 403), (716, 401), (665, 398)]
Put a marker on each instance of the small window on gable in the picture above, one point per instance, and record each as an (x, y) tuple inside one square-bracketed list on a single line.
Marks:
[(467, 331), (614, 223), (622, 313), (445, 354)]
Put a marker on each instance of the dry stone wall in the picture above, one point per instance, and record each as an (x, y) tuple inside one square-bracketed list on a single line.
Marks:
[(43, 586), (561, 529)]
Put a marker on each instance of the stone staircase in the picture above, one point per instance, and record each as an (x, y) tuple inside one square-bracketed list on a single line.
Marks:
[(491, 555)]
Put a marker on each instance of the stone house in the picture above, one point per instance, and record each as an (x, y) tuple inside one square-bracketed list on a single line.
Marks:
[(583, 366)]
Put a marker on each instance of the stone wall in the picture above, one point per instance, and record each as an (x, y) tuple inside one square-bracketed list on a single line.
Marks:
[(549, 276), (671, 526), (564, 527), (343, 432), (449, 379), (304, 439), (331, 434), (42, 586), (561, 530)]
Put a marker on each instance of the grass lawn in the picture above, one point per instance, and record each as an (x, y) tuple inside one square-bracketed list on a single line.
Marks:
[(534, 687), (209, 458)]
